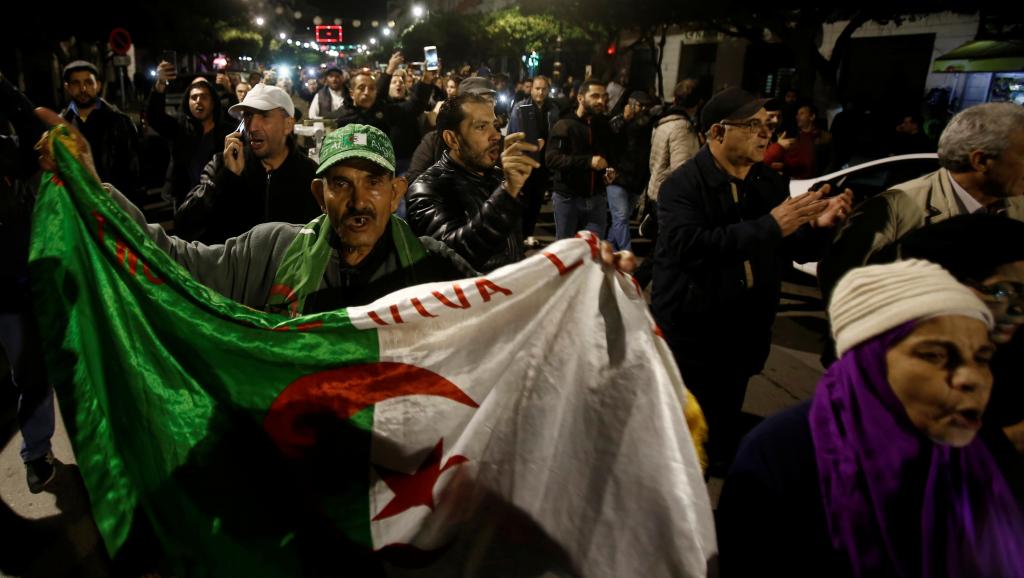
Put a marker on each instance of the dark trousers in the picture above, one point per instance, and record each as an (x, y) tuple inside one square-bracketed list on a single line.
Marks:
[(720, 394), (533, 199)]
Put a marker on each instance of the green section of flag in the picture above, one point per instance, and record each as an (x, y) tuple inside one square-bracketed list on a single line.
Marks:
[(164, 385)]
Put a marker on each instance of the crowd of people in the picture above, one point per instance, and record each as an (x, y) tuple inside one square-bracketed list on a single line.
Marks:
[(890, 470)]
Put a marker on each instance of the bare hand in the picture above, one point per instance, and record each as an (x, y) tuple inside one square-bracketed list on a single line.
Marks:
[(223, 80), (622, 261), (516, 165), (795, 212), (598, 163), (610, 175), (786, 141), (46, 160), (165, 73), (394, 61), (234, 153), (837, 209)]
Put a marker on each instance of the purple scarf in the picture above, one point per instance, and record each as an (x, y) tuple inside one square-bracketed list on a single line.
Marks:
[(897, 503)]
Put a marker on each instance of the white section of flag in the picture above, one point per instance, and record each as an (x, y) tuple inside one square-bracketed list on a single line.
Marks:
[(579, 436)]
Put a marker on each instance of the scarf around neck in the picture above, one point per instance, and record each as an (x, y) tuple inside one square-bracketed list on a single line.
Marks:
[(867, 451), (305, 261)]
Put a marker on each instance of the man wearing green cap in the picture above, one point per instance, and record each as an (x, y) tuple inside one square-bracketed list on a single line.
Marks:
[(353, 254)]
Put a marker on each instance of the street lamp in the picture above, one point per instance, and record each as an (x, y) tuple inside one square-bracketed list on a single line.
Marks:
[(386, 32), (282, 36), (259, 21), (373, 40), (418, 11)]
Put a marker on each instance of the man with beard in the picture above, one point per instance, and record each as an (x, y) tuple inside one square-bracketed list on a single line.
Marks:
[(195, 136), (464, 200), (258, 178), (328, 100), (111, 134), (578, 157), (728, 230)]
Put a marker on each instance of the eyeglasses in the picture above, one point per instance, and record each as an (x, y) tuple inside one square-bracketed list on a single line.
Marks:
[(751, 126)]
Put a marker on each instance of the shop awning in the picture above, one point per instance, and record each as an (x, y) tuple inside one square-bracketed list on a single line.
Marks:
[(983, 56)]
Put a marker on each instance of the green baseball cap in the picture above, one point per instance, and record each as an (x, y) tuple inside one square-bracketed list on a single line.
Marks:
[(359, 141)]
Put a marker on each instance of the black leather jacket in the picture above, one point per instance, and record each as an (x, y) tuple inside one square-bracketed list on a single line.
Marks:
[(225, 205), (470, 213)]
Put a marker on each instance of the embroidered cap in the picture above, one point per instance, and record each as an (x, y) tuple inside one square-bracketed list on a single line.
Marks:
[(359, 141)]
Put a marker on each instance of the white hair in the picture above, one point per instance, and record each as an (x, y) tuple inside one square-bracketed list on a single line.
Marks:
[(986, 127)]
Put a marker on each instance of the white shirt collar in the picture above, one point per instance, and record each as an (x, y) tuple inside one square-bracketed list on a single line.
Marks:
[(969, 202)]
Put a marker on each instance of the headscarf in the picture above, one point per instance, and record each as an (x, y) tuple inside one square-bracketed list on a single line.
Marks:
[(897, 503)]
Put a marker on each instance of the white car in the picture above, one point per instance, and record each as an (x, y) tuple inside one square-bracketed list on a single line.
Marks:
[(867, 180)]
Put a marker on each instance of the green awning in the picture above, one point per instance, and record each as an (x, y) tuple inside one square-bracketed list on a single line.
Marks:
[(983, 56)]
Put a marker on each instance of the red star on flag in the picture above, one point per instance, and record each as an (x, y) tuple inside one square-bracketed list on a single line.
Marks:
[(417, 488)]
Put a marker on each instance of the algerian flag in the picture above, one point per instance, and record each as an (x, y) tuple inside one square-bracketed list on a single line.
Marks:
[(525, 423)]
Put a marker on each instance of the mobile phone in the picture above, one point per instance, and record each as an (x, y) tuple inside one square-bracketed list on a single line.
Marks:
[(170, 56), (430, 57), (528, 114), (242, 136)]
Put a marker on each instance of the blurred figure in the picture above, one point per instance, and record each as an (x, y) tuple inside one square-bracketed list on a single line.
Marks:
[(910, 137), (328, 101), (242, 89), (808, 153), (540, 110)]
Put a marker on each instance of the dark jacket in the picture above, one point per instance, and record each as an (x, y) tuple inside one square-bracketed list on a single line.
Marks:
[(115, 146), (718, 265), (470, 213), (225, 205), (324, 102), (398, 120), (191, 149), (632, 146), (427, 153), (574, 142)]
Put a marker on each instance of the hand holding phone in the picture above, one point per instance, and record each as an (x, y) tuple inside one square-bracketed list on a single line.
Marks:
[(430, 60), (234, 150)]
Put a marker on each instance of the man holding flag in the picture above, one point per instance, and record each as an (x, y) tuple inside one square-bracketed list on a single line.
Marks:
[(437, 429)]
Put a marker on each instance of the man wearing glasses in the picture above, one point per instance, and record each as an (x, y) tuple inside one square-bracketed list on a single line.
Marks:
[(728, 228)]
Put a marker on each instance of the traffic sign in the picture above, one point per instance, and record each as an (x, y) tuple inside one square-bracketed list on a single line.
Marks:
[(120, 41)]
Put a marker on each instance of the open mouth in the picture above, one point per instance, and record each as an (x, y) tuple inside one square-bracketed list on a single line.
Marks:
[(968, 419), (357, 223), (257, 143)]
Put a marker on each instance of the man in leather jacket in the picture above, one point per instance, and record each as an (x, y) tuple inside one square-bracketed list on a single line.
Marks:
[(464, 200)]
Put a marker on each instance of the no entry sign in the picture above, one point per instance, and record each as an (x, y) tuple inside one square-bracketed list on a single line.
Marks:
[(120, 41)]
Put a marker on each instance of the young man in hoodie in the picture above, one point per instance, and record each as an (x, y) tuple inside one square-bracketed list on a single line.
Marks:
[(195, 136)]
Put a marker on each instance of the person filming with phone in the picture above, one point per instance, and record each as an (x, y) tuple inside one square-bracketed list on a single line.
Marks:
[(260, 177), (195, 135)]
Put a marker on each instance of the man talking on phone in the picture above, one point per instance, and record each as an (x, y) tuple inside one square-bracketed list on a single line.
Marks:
[(260, 177)]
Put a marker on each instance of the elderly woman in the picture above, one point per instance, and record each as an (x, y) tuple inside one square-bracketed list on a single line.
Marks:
[(881, 473)]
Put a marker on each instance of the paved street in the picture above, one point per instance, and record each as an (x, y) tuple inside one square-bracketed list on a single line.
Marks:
[(52, 534)]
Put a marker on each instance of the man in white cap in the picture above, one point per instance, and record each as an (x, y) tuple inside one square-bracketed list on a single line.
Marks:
[(260, 177)]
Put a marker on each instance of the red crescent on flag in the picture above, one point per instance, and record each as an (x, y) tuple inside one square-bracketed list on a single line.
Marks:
[(345, 391)]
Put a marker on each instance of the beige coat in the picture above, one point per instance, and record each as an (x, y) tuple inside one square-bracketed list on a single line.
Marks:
[(887, 218), (673, 142)]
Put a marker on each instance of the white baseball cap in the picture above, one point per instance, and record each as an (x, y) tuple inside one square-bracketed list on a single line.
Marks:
[(265, 97)]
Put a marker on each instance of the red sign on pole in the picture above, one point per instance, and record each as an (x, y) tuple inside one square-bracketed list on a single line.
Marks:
[(328, 34), (120, 41)]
